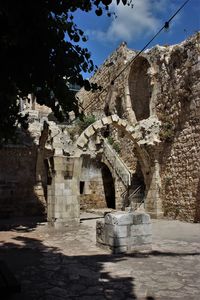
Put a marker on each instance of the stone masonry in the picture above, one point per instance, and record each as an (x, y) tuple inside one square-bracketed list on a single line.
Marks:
[(162, 83), (123, 232), (151, 111)]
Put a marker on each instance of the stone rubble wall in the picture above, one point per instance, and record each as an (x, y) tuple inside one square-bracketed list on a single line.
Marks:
[(178, 107), (18, 193), (173, 78), (103, 77), (93, 194)]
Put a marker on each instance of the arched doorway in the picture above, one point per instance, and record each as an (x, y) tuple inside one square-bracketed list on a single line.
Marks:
[(140, 88), (96, 185), (108, 184)]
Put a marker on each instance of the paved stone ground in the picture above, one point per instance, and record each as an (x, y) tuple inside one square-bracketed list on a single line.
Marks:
[(54, 265)]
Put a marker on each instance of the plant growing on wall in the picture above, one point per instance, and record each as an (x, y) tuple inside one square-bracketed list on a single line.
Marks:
[(167, 131), (110, 140), (80, 125), (84, 122), (115, 145)]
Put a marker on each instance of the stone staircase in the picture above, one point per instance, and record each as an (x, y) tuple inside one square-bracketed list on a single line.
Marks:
[(116, 163), (131, 198)]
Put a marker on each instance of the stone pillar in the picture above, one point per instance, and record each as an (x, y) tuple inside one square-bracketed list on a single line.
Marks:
[(63, 193), (153, 203)]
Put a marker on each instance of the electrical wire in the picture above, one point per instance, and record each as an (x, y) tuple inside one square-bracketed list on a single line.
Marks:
[(165, 26)]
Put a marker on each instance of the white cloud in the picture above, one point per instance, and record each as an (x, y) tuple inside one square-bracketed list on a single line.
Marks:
[(132, 22)]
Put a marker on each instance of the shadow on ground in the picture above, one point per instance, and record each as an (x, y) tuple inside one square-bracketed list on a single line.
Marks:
[(45, 273), (19, 224)]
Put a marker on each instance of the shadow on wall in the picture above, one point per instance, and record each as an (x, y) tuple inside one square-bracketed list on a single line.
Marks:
[(20, 195), (109, 188), (140, 88), (47, 274)]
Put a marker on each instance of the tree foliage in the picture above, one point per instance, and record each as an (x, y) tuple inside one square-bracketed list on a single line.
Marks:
[(39, 53)]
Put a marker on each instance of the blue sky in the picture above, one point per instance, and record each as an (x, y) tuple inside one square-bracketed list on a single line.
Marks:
[(137, 24)]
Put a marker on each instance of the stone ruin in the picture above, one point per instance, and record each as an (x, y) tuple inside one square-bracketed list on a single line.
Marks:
[(142, 151), (123, 232)]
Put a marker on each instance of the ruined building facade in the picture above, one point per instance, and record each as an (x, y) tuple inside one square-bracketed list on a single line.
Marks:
[(159, 92), (141, 150)]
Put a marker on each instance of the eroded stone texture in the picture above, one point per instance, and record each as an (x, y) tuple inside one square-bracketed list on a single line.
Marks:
[(167, 91), (18, 194), (123, 232), (63, 201), (151, 111)]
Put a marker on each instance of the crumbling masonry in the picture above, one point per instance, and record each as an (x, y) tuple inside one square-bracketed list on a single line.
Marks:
[(142, 150)]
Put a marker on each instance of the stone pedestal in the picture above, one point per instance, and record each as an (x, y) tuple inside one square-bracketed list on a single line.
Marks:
[(123, 232)]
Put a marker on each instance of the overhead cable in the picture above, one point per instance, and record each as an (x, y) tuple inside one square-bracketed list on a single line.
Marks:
[(165, 26)]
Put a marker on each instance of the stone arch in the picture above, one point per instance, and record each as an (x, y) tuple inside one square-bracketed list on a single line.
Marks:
[(140, 88), (119, 123), (149, 166), (96, 184)]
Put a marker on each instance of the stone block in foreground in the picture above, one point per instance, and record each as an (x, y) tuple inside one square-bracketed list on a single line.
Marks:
[(125, 232)]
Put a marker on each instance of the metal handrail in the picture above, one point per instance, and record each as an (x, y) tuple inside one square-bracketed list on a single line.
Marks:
[(135, 192), (117, 163)]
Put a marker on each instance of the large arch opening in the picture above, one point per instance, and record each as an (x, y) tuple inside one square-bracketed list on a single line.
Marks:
[(109, 188), (140, 88)]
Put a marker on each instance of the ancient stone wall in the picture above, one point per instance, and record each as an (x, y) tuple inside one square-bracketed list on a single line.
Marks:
[(96, 103), (178, 106), (165, 81), (92, 190), (18, 194)]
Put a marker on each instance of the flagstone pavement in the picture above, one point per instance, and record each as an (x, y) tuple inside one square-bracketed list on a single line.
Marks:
[(67, 264)]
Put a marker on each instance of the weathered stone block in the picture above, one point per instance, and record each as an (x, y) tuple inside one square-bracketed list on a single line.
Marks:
[(67, 192), (106, 121), (115, 118), (119, 218), (142, 229), (116, 241), (83, 141), (120, 249), (97, 125), (120, 234), (141, 218), (89, 132), (116, 231)]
